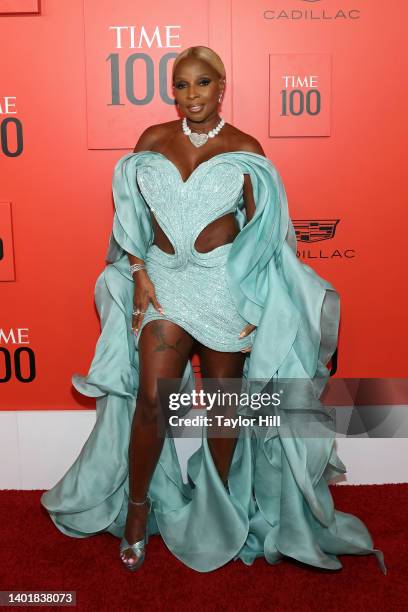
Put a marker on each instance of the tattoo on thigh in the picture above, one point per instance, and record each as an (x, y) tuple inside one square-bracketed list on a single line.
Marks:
[(158, 330)]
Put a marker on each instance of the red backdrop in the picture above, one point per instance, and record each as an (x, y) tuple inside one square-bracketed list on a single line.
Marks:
[(322, 87)]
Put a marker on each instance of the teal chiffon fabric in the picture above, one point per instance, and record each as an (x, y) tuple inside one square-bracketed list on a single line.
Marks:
[(279, 503)]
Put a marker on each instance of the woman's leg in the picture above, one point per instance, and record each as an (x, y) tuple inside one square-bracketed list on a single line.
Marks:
[(164, 349), (218, 365)]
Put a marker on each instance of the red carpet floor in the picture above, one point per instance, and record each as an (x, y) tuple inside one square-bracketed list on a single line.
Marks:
[(36, 556)]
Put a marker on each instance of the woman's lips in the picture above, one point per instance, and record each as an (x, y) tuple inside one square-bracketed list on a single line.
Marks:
[(196, 108)]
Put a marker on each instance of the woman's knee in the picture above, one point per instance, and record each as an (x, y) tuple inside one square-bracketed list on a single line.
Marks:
[(147, 405)]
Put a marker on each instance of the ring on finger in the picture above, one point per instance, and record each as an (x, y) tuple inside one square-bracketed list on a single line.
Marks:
[(137, 311)]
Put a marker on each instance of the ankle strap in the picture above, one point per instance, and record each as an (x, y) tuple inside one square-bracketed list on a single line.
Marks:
[(131, 501)]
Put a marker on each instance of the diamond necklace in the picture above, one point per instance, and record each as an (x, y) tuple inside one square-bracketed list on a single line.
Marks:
[(199, 139)]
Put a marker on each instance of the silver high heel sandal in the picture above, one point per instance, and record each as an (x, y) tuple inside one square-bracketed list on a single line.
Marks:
[(139, 547)]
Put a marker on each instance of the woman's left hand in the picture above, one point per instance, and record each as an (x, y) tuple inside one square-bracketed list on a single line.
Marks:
[(245, 332)]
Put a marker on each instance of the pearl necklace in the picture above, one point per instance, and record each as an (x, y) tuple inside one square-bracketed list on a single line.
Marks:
[(199, 139)]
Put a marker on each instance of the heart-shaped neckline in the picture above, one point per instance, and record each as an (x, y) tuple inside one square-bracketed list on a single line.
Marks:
[(207, 161)]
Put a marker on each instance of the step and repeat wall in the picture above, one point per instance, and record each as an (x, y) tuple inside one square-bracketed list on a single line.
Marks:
[(319, 83)]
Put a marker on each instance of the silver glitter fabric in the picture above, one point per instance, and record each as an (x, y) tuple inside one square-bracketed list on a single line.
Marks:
[(191, 286)]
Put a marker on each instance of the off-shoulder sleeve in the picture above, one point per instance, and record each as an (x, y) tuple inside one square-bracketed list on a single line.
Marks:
[(132, 229), (260, 241)]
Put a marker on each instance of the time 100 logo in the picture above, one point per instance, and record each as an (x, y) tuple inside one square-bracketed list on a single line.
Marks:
[(296, 101), (11, 365), (11, 129), (123, 71)]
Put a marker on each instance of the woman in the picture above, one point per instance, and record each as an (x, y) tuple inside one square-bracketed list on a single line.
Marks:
[(201, 218)]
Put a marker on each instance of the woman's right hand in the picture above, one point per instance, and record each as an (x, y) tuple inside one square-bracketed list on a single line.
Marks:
[(144, 293)]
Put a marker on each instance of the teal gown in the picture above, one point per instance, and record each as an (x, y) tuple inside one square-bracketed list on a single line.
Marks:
[(279, 503)]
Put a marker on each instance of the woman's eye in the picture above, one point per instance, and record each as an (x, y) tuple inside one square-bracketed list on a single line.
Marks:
[(202, 82)]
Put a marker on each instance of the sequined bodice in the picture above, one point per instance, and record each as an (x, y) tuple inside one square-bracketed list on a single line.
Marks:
[(184, 208)]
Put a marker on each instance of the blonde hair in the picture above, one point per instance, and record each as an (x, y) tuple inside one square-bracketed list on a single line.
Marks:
[(203, 53)]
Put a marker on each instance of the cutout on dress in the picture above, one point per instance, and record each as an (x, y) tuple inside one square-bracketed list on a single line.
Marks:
[(219, 223), (166, 245)]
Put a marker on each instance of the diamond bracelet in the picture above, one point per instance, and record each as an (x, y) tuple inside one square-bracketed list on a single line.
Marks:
[(136, 267)]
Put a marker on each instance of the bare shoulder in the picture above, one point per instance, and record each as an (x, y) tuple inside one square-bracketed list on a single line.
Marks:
[(245, 142), (250, 145), (152, 137)]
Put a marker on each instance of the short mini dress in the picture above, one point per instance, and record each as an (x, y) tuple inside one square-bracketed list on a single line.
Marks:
[(192, 286)]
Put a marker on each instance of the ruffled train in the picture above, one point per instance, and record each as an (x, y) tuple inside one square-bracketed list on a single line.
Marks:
[(279, 503)]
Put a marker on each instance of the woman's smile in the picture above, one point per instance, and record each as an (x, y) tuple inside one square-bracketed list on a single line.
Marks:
[(196, 108)]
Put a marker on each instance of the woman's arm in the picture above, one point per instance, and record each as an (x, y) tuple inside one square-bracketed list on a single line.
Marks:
[(144, 289), (145, 143), (252, 146)]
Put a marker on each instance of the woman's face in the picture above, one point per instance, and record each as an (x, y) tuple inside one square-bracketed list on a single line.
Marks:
[(197, 88)]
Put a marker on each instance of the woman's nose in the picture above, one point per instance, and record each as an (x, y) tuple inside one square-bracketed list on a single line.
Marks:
[(192, 92)]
